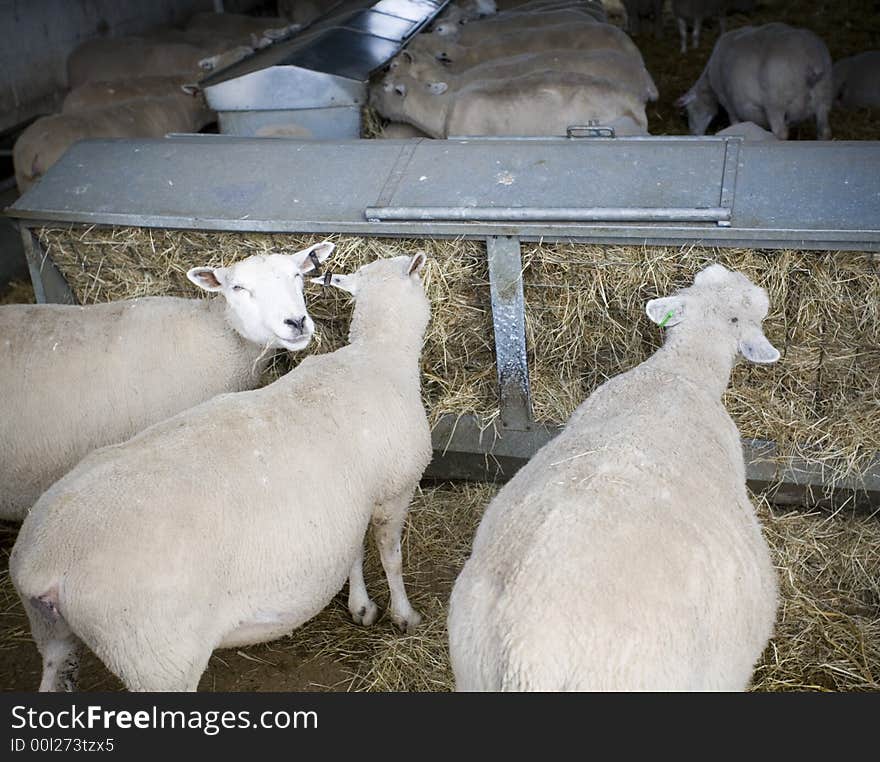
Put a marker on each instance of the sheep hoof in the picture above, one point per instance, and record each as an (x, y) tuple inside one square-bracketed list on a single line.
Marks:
[(366, 615), (407, 623)]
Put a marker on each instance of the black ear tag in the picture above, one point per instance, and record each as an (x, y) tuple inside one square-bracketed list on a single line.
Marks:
[(316, 262)]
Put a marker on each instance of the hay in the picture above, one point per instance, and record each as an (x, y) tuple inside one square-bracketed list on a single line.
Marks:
[(827, 633), (848, 27), (17, 292), (585, 322)]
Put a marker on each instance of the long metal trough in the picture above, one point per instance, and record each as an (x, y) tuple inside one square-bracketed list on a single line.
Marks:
[(643, 191)]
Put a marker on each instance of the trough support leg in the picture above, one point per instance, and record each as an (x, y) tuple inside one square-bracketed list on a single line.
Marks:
[(509, 319), (49, 284)]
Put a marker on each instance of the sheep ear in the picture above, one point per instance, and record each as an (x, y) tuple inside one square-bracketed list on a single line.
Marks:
[(667, 311), (208, 278), (309, 260), (416, 263), (345, 282), (756, 348), (686, 99), (437, 88)]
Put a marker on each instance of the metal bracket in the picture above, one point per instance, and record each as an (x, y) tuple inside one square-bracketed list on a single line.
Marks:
[(49, 284), (590, 130), (509, 319), (728, 178)]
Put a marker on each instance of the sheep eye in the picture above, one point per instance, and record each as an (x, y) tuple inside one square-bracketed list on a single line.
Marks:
[(240, 288), (734, 320)]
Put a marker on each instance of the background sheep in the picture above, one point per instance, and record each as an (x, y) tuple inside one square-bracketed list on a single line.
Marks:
[(695, 12), (79, 378), (238, 520), (626, 554), (773, 75), (857, 81)]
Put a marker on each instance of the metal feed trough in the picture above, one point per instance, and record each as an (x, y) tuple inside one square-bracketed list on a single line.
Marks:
[(634, 191), (314, 84)]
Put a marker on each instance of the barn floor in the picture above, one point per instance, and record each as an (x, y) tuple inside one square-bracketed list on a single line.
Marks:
[(828, 633)]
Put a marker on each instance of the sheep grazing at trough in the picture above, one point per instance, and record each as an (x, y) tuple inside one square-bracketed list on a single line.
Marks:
[(476, 31), (98, 95), (773, 75), (536, 104), (44, 141), (626, 554), (237, 521), (636, 10), (121, 59), (695, 12), (584, 37), (619, 69), (79, 378), (857, 81)]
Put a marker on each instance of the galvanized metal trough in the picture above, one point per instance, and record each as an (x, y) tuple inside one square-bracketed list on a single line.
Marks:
[(638, 191), (314, 84)]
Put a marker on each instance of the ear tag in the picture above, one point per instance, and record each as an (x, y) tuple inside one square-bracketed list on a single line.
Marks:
[(666, 318), (328, 276), (316, 262)]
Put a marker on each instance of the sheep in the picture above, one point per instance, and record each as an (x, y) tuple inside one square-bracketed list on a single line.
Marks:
[(400, 131), (626, 554), (476, 31), (620, 69), (45, 140), (96, 95), (695, 12), (78, 378), (585, 36), (121, 59), (636, 10), (773, 75), (237, 521), (857, 81), (540, 103)]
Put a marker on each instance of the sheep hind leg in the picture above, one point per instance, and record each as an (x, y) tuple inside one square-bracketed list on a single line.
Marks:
[(683, 34), (56, 642), (363, 610), (388, 520)]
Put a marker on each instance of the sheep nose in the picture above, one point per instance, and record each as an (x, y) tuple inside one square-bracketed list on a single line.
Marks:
[(298, 323)]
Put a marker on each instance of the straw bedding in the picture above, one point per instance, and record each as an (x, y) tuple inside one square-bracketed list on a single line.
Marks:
[(827, 633), (585, 322)]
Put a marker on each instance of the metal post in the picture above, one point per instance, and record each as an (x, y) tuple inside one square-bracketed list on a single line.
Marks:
[(509, 319)]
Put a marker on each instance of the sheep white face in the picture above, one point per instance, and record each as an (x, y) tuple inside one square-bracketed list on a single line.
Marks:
[(264, 295), (726, 303), (405, 269)]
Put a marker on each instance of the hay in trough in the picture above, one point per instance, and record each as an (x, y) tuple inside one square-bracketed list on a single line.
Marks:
[(827, 633), (585, 322)]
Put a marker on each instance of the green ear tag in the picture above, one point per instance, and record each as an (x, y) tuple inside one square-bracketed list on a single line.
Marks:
[(666, 318)]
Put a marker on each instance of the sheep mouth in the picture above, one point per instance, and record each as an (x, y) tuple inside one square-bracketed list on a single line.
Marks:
[(293, 345)]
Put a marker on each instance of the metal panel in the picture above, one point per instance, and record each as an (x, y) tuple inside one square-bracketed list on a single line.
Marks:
[(304, 123), (509, 321), (464, 450), (187, 182)]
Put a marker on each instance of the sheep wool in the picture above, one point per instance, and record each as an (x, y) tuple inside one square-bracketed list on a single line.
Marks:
[(626, 554), (236, 521)]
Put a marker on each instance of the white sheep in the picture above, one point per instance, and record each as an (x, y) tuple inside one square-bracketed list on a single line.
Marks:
[(696, 12), (540, 103), (857, 81), (626, 554), (237, 521), (773, 75), (78, 378)]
